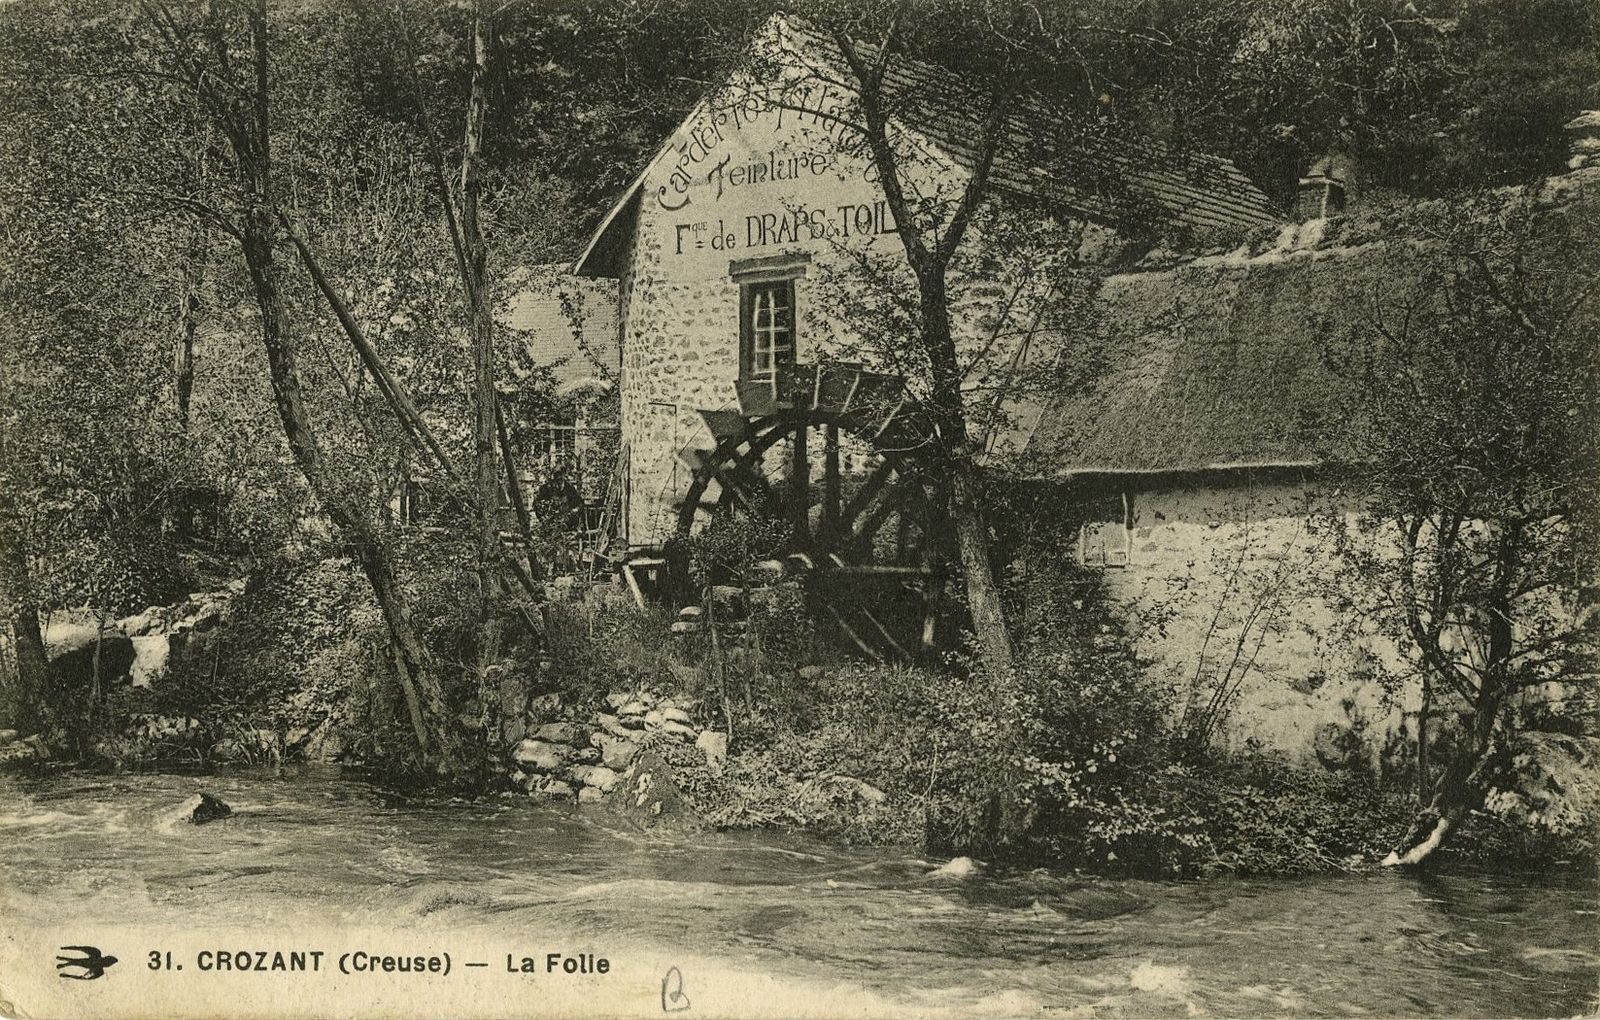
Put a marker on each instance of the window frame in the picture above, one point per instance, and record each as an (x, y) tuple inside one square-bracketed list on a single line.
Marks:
[(1107, 542), (752, 333), (777, 275)]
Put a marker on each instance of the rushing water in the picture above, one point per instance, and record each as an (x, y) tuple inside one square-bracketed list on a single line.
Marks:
[(311, 846)]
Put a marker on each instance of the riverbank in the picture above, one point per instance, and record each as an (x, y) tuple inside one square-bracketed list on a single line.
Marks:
[(755, 913), (769, 728)]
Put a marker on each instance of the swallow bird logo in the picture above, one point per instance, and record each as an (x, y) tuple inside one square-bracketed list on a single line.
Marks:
[(89, 964)]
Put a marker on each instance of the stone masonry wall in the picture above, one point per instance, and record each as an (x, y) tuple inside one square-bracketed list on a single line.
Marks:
[(703, 215), (1239, 586)]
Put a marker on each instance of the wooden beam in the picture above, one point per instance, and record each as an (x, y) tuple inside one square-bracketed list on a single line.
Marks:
[(880, 570), (633, 584), (800, 486), (832, 496), (851, 633), (884, 631), (869, 526), (869, 490)]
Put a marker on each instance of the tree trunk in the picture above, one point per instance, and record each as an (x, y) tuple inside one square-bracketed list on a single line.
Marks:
[(1460, 789), (183, 368), (486, 478), (972, 539), (963, 499), (413, 661), (1424, 713), (33, 664)]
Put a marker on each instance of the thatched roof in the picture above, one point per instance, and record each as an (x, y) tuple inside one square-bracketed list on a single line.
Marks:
[(1219, 368), (1223, 362)]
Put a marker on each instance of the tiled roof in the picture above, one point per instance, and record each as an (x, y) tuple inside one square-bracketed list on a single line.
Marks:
[(1125, 170), (1124, 175)]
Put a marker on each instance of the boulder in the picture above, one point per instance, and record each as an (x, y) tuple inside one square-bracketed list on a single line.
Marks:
[(715, 748), (541, 756), (679, 730), (726, 595), (612, 725), (17, 751), (203, 808), (513, 729), (862, 789), (150, 655), (957, 868), (634, 709), (672, 713), (597, 776), (544, 706), (143, 623), (616, 701), (7, 736), (768, 570), (557, 733), (74, 668), (325, 744), (653, 719), (648, 798), (555, 789), (586, 756), (618, 753), (590, 795), (685, 627)]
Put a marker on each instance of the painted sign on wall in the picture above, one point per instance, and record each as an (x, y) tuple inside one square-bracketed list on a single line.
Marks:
[(769, 171)]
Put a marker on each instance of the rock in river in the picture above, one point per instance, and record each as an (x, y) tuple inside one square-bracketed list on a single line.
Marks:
[(957, 868), (203, 808), (648, 797)]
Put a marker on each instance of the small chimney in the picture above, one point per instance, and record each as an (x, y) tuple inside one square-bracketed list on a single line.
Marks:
[(1325, 189), (1583, 135)]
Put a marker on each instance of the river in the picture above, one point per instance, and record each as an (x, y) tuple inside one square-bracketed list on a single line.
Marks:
[(785, 914)]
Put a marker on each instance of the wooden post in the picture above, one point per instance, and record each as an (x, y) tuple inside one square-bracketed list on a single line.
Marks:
[(800, 487), (831, 488), (633, 584), (930, 613)]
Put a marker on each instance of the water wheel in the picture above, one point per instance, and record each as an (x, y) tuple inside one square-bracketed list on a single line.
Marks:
[(835, 459)]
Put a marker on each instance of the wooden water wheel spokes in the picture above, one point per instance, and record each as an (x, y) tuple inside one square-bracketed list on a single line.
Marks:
[(835, 454), (845, 502)]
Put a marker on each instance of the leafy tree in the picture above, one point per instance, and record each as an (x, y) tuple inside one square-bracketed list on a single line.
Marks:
[(1477, 437), (1426, 96)]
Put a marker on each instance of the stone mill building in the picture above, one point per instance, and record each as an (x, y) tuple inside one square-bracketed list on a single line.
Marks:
[(744, 255)]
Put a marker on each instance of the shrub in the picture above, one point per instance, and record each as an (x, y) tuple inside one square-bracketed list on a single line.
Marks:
[(1265, 817)]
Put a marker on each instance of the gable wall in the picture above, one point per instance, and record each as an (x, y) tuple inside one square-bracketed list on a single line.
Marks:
[(747, 181)]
